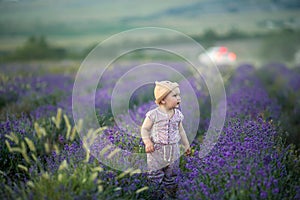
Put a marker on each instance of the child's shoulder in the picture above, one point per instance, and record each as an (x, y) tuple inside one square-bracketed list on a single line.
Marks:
[(153, 110), (178, 114), (178, 111), (152, 114)]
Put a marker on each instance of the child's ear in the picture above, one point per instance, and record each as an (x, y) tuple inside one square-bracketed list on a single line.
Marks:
[(162, 102)]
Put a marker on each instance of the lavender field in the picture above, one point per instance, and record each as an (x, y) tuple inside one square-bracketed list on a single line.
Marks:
[(43, 157)]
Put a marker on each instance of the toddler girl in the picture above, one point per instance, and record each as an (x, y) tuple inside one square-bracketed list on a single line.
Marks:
[(161, 132)]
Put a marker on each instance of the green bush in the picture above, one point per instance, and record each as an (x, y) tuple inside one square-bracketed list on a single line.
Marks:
[(280, 46), (37, 48)]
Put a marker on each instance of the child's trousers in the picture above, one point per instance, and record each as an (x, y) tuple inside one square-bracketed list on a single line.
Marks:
[(163, 165)]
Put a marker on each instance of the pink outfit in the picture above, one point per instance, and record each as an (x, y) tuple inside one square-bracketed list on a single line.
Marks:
[(163, 163), (165, 130)]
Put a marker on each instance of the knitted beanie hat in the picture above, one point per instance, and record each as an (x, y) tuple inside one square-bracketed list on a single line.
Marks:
[(162, 89)]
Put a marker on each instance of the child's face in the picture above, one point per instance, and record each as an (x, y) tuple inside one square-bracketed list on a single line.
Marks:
[(173, 99)]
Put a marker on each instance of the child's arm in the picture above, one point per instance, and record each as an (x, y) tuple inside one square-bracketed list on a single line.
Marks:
[(145, 132), (184, 139)]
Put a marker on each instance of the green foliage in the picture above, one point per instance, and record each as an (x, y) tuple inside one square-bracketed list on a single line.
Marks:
[(37, 48), (210, 36), (28, 161), (280, 46), (64, 184), (42, 139)]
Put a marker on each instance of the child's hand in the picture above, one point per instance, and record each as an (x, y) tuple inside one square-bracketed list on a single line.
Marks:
[(188, 151), (149, 147)]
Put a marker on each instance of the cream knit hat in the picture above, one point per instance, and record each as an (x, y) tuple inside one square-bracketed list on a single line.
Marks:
[(162, 89)]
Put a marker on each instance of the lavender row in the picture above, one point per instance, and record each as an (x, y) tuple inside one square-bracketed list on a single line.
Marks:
[(250, 160)]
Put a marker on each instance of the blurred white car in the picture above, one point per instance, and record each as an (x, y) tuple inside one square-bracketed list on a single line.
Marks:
[(219, 55)]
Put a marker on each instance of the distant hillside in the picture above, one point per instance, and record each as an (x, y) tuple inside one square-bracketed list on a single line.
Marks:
[(219, 7), (77, 17), (78, 23)]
